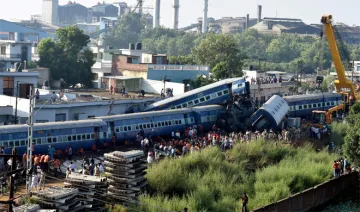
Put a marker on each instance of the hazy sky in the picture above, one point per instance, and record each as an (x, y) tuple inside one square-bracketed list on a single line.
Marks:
[(310, 11)]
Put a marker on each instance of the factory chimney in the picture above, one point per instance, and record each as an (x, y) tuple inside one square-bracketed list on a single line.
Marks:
[(205, 18), (259, 13), (176, 14), (247, 21), (156, 21)]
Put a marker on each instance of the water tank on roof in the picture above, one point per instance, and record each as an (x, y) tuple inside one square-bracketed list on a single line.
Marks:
[(131, 46), (138, 46)]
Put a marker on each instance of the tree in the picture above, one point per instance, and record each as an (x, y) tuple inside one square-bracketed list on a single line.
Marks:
[(201, 81), (352, 139), (221, 53), (183, 60), (67, 59), (126, 31)]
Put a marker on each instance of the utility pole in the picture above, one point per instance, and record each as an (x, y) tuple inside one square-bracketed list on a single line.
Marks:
[(164, 80), (300, 63), (29, 150), (16, 101)]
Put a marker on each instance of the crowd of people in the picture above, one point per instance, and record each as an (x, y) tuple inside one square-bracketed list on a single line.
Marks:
[(266, 80), (341, 166)]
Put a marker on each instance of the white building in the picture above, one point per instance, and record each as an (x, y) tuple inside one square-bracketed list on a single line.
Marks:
[(351, 75), (10, 80), (14, 51)]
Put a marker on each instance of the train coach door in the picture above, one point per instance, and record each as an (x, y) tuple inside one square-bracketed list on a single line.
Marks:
[(97, 136)]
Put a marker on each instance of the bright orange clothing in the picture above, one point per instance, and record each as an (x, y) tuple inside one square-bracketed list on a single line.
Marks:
[(81, 150), (24, 157), (46, 159)]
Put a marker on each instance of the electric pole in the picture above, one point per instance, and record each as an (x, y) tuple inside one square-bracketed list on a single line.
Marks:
[(164, 80), (29, 150), (16, 101)]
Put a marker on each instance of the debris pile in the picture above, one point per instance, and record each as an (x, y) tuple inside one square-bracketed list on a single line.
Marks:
[(92, 190), (125, 171), (62, 199)]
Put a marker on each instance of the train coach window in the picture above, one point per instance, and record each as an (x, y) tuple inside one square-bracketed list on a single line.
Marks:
[(319, 104), (69, 138), (202, 99), (59, 138), (23, 143), (184, 105), (11, 143), (323, 104), (38, 141), (155, 124), (121, 129), (332, 103), (314, 105), (196, 101), (170, 123), (64, 139), (74, 137), (148, 125), (117, 130), (225, 92), (136, 127), (49, 139), (129, 128), (152, 125), (176, 122), (83, 137), (54, 139), (207, 97), (327, 103), (144, 126), (162, 124), (166, 123), (5, 144), (192, 120), (104, 134), (78, 137), (300, 107), (92, 135), (17, 143), (172, 108), (88, 136), (219, 93), (190, 103), (305, 106), (178, 107)]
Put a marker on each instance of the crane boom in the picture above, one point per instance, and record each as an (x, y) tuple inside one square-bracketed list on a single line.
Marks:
[(342, 84)]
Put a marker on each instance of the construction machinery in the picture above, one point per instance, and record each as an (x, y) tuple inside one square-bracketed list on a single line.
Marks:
[(343, 85)]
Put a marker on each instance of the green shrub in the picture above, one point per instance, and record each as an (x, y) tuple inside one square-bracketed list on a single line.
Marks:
[(214, 181)]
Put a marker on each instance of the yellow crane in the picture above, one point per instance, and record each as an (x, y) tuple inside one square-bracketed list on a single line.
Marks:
[(343, 85)]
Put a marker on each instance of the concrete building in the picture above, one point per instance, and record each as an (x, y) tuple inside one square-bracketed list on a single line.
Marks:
[(81, 106), (73, 13), (44, 75), (10, 80), (104, 10), (89, 28), (14, 52), (285, 25), (50, 11), (6, 116), (8, 30), (261, 92)]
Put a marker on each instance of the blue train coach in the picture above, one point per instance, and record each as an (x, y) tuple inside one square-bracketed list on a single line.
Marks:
[(59, 134), (303, 105), (215, 93), (270, 115)]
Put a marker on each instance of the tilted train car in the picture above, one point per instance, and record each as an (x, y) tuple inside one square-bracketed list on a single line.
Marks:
[(303, 105), (216, 93), (270, 115)]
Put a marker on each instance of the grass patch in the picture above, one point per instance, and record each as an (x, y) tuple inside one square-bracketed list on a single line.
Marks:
[(214, 181), (339, 130)]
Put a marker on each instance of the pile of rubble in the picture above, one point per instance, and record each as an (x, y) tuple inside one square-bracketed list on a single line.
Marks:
[(92, 190), (62, 199), (125, 171)]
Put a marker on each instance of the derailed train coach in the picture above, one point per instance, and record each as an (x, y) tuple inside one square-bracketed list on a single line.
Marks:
[(270, 115)]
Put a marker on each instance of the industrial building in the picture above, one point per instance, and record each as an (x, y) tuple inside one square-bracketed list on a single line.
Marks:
[(8, 29), (104, 10), (73, 13), (50, 9)]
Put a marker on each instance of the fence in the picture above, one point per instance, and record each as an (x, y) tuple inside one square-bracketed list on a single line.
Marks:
[(316, 196)]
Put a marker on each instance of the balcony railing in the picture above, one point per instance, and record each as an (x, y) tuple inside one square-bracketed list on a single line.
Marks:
[(10, 56)]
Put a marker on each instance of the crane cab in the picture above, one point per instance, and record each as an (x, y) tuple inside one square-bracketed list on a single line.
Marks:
[(319, 118)]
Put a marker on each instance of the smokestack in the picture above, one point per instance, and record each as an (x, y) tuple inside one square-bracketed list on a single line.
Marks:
[(176, 14), (247, 21), (205, 18), (259, 13), (156, 21)]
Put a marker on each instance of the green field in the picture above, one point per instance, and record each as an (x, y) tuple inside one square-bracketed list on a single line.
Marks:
[(214, 181)]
